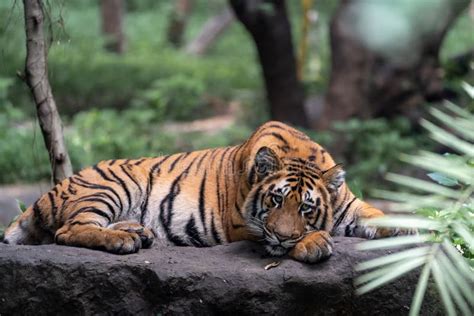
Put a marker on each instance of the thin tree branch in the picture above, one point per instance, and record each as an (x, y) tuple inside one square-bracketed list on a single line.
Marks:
[(36, 76)]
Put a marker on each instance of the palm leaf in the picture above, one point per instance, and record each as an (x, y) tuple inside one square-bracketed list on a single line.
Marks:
[(462, 126), (465, 234), (396, 257), (438, 163), (422, 284), (400, 221), (393, 242), (458, 261), (391, 273), (441, 283), (448, 139), (458, 110), (459, 289)]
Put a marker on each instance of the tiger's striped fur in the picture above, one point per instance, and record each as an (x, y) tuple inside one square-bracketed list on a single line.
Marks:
[(205, 198)]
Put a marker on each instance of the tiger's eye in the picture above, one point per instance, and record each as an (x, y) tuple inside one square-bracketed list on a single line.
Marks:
[(277, 199), (304, 208), (261, 169)]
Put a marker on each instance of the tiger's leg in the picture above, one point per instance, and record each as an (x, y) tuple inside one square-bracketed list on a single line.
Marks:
[(146, 235), (314, 247), (89, 230)]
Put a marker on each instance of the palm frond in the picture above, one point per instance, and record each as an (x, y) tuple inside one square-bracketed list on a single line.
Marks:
[(446, 215), (394, 242), (448, 139)]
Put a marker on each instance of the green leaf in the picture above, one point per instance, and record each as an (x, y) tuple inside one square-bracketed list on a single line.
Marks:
[(458, 287), (396, 257), (458, 260), (468, 88), (448, 139), (410, 202), (399, 221), (442, 179), (394, 272), (439, 163), (465, 234), (441, 283), (423, 185), (458, 110), (21, 206), (393, 242), (463, 127), (422, 284)]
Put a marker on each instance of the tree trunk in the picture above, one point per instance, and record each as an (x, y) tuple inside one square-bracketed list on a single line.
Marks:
[(177, 22), (367, 82), (36, 71), (267, 23), (214, 27), (112, 25)]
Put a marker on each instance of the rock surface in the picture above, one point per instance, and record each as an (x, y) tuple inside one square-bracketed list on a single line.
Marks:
[(228, 279)]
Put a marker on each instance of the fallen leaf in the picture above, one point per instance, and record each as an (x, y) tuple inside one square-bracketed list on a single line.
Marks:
[(272, 265)]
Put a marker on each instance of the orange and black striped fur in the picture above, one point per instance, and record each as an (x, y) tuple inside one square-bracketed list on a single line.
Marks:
[(278, 187)]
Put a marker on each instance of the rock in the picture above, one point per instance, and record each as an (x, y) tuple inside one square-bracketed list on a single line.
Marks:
[(228, 279)]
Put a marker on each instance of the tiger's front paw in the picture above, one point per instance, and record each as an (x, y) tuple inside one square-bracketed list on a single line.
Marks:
[(313, 248), (146, 235)]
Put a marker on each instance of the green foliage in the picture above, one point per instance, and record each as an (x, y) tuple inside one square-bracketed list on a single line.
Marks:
[(457, 40), (84, 76), (444, 219), (18, 143), (371, 147), (178, 97), (21, 205), (106, 134), (97, 135)]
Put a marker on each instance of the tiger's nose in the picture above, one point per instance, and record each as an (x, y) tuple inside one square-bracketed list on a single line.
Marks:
[(283, 237)]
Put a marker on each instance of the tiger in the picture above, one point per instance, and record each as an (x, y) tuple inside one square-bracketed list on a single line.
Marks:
[(279, 188)]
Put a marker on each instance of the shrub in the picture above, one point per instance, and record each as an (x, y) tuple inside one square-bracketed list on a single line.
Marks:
[(178, 97)]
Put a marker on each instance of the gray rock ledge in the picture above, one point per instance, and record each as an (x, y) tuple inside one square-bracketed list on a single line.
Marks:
[(228, 279)]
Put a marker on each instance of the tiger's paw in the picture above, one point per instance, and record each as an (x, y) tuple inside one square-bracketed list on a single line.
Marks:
[(91, 236), (313, 248), (123, 242), (146, 235)]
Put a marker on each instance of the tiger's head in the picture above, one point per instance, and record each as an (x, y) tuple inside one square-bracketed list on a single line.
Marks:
[(289, 198)]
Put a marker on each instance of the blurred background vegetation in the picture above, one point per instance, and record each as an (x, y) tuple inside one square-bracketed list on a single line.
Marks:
[(154, 96)]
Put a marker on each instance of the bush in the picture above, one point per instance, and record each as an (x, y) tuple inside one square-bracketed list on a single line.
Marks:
[(22, 153), (126, 134), (176, 98), (84, 76)]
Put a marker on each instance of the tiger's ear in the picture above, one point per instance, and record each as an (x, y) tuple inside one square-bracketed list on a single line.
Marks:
[(334, 178), (266, 162)]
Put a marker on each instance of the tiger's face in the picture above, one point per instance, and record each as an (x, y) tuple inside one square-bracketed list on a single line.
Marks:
[(291, 198)]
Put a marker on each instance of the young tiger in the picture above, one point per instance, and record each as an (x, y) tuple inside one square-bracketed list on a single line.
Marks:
[(278, 187)]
